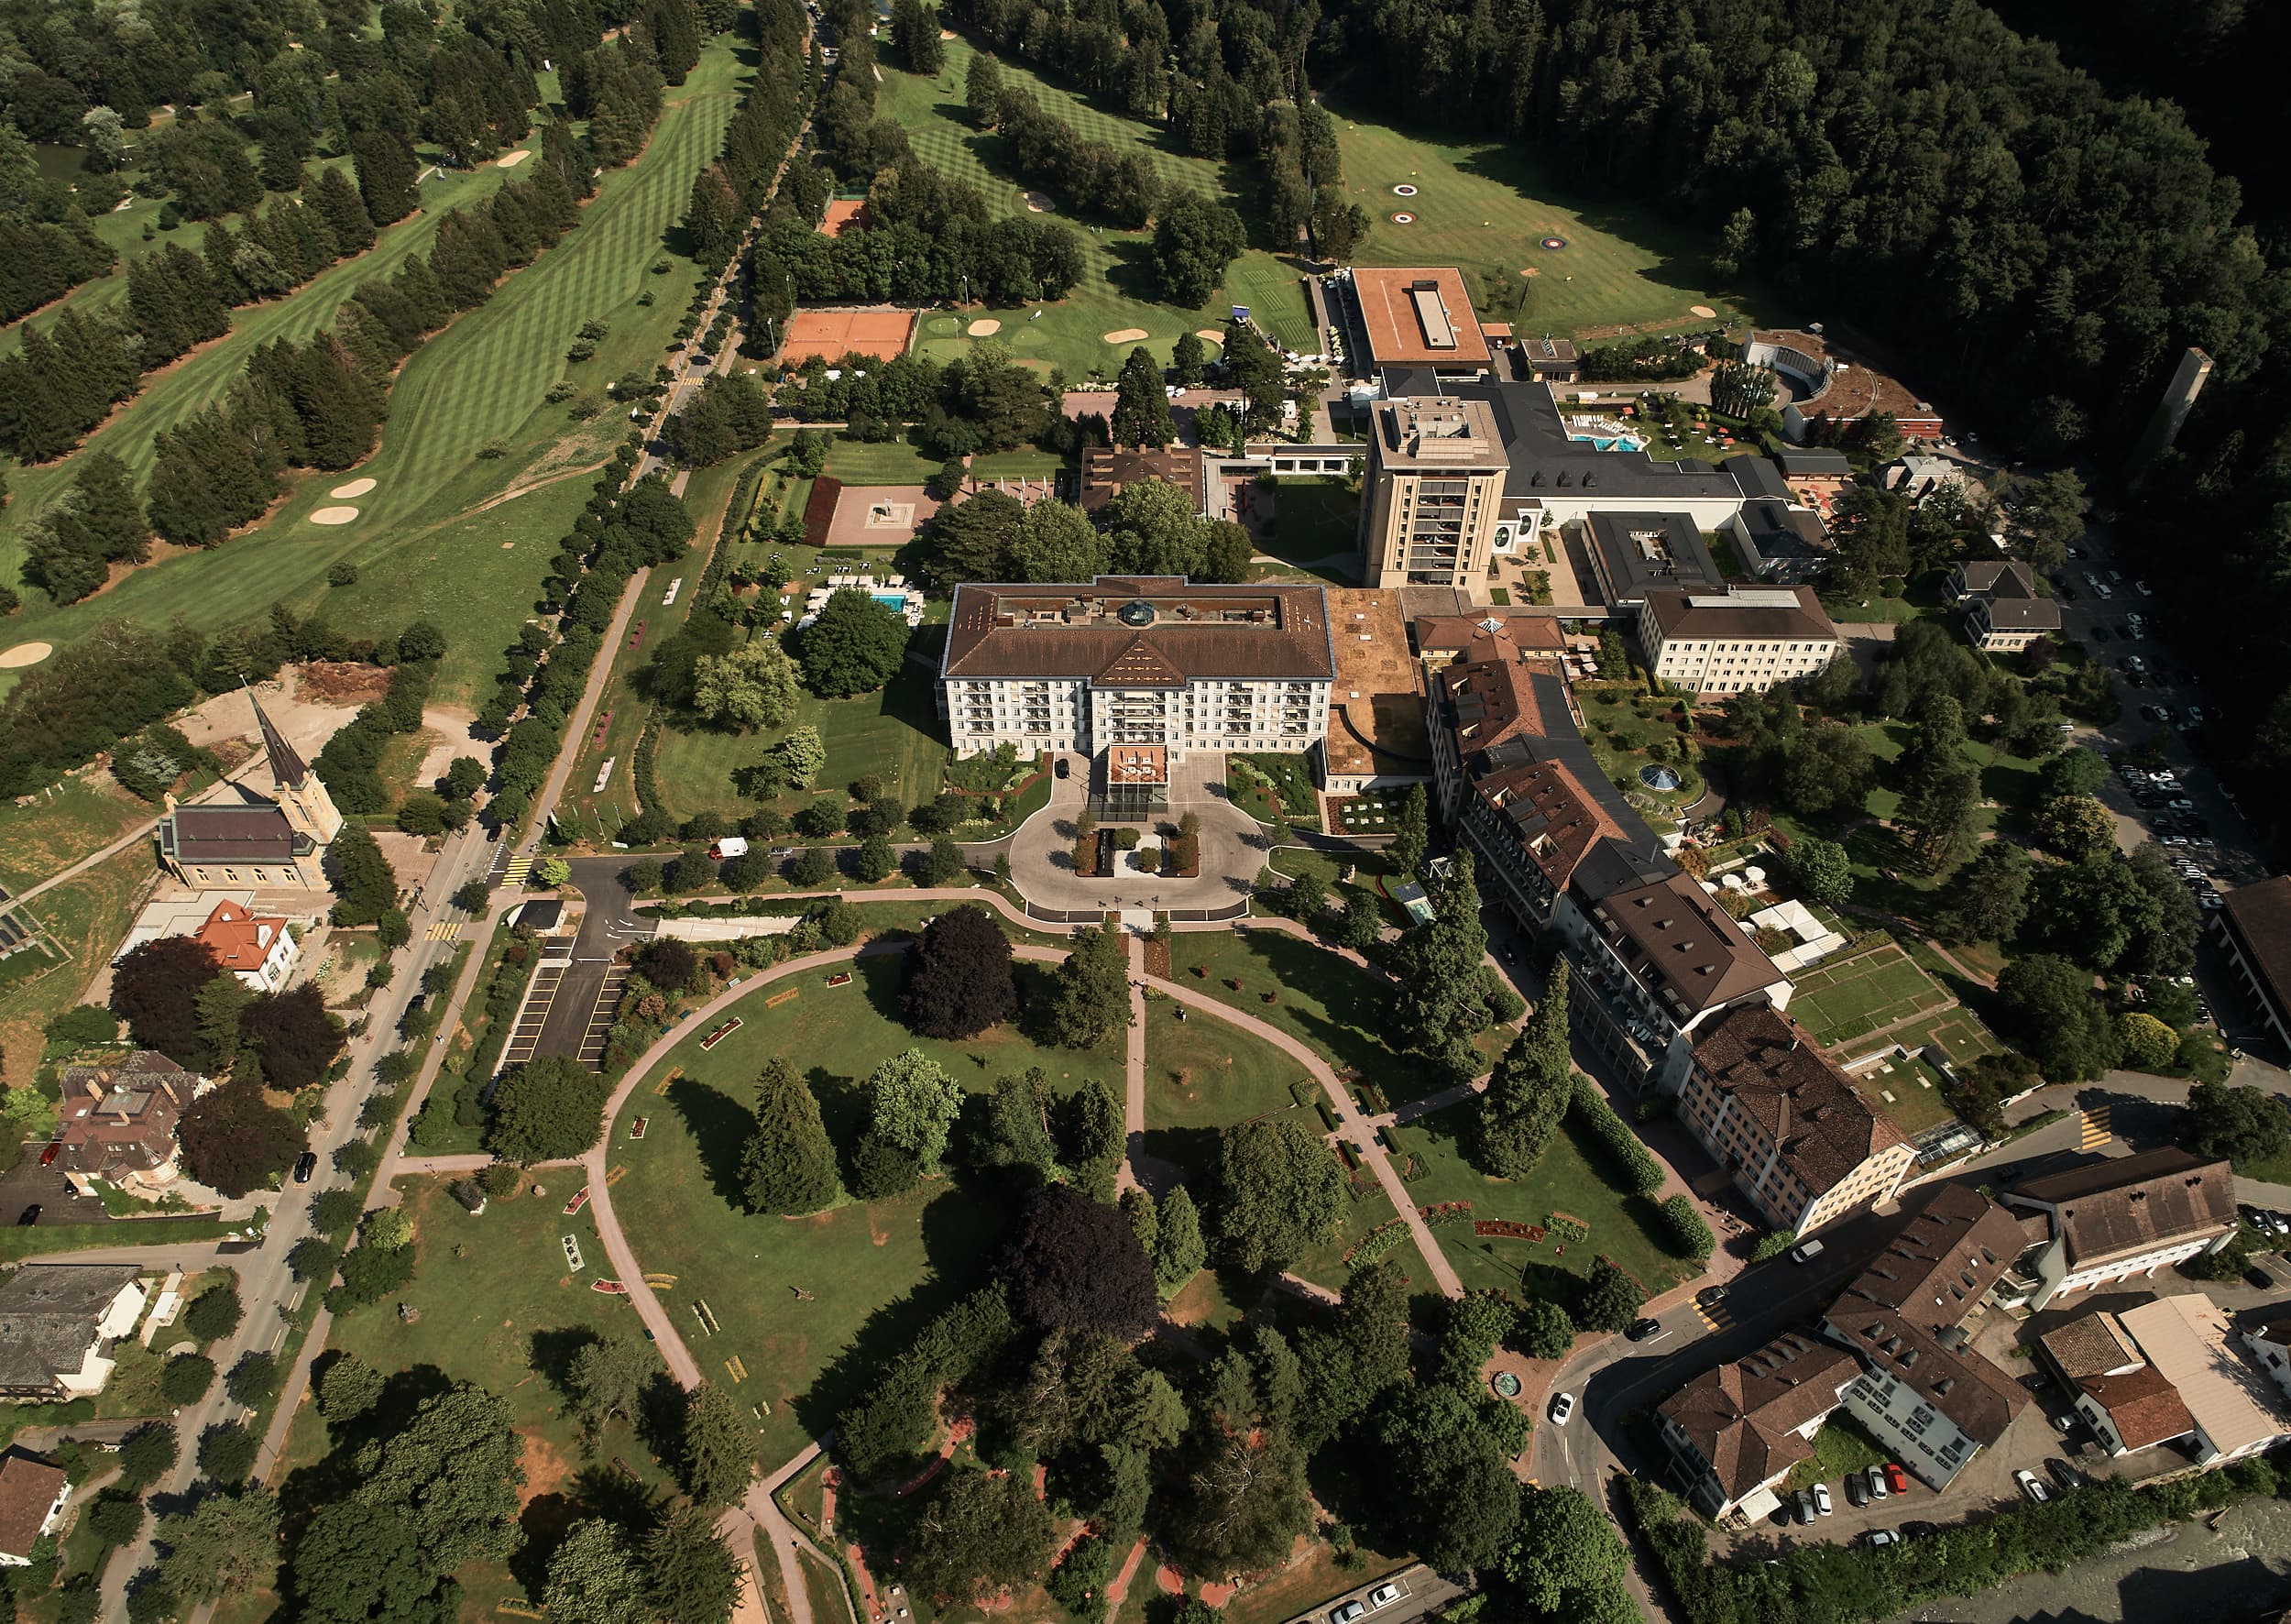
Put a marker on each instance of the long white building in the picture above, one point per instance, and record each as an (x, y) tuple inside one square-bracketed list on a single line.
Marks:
[(1140, 661)]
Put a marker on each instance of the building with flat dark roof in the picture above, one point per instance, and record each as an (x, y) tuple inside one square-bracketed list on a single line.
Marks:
[(1780, 542), (1553, 360), (2254, 927), (1634, 554)]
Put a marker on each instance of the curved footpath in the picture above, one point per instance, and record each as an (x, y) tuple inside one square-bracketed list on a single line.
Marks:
[(759, 1512)]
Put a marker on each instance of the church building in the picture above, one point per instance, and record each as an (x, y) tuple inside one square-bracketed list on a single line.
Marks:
[(249, 839)]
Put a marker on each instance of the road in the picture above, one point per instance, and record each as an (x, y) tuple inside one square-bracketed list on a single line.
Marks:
[(267, 1286)]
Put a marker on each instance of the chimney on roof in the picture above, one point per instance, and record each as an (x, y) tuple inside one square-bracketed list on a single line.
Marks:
[(96, 1087)]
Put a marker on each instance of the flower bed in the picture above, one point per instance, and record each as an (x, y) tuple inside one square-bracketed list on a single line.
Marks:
[(1446, 1212), (1377, 1242), (1504, 1228), (1566, 1226)]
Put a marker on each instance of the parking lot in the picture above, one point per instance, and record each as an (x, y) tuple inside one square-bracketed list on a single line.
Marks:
[(1397, 1599)]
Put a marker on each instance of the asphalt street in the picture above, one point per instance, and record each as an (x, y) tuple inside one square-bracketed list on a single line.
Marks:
[(267, 1286)]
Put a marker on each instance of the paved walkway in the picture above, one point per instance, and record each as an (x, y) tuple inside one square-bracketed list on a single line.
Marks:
[(1353, 1128), (1134, 1112)]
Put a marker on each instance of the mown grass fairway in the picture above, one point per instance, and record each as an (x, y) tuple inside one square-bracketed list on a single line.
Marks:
[(1485, 208), (810, 1306), (475, 387), (1115, 292), (87, 920)]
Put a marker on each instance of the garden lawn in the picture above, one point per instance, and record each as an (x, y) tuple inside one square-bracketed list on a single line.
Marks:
[(85, 919), (473, 388), (1909, 1093), (1840, 1448), (892, 734), (1846, 999), (1326, 1000), (1571, 1178), (1203, 1074), (869, 1275), (499, 1307), (1313, 519), (1484, 207), (1116, 291)]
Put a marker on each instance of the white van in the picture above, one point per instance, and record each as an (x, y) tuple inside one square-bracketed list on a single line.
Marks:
[(1806, 1252)]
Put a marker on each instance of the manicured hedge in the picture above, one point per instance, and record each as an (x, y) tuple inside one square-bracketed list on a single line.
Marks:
[(1641, 1173), (1684, 1234)]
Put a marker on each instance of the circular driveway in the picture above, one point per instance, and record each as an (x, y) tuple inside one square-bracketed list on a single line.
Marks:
[(1233, 846)]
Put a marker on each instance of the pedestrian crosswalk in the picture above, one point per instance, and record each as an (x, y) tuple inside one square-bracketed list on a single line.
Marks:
[(2094, 1131), (445, 932), (1717, 1316), (517, 870)]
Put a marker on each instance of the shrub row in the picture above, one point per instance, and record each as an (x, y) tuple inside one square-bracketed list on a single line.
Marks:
[(1642, 1174), (1685, 1234)]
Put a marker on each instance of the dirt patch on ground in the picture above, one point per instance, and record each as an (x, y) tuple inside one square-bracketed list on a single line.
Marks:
[(545, 1469), (447, 730), (409, 856), (340, 682)]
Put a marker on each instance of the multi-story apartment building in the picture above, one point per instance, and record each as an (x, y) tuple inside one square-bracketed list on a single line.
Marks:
[(2118, 1217), (1736, 1431), (1558, 845), (1741, 640), (1152, 660), (1795, 1132), (1434, 490), (1922, 1391)]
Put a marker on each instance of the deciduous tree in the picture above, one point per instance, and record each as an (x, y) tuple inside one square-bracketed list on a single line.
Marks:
[(912, 1103), (979, 1534), (1075, 1263), (226, 1544), (719, 1454), (854, 647), (547, 1108), (155, 991), (1090, 996), (233, 1141), (1282, 1193)]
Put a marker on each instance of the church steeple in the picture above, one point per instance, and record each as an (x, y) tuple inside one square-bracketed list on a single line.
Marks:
[(301, 793), (286, 768)]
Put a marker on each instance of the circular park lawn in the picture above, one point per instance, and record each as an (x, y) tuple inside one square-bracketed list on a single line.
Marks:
[(788, 1297)]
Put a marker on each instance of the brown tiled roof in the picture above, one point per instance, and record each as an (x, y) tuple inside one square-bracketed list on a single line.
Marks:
[(1000, 629), (1558, 820), (1141, 666), (2093, 1344), (228, 834), (1904, 1312), (1106, 471), (28, 1487), (1682, 945), (121, 1113), (2260, 915), (1495, 697), (241, 941), (1466, 637), (2143, 1404), (1744, 1417), (1741, 614), (1812, 1112), (2123, 1205)]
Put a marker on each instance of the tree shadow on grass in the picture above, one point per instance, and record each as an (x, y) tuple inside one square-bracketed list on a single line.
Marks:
[(551, 1353), (546, 1520), (1192, 1150), (720, 1126), (957, 1230), (335, 1476)]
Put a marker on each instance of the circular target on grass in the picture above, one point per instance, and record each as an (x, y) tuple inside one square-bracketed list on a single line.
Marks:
[(1404, 190), (1554, 244), (1403, 219)]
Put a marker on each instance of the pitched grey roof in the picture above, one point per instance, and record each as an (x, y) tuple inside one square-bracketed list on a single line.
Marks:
[(49, 1313)]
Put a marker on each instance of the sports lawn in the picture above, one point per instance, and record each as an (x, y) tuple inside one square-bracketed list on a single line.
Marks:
[(473, 390), (500, 1307), (1881, 995), (1114, 294), (809, 1308), (1487, 207)]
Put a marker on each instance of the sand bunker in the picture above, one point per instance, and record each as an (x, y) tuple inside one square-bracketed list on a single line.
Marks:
[(24, 653), (355, 487), (1209, 335), (1039, 202), (1125, 335), (1703, 311), (510, 161), (984, 327), (333, 515)]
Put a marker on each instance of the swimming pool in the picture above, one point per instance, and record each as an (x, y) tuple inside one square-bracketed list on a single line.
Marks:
[(1609, 442), (891, 601)]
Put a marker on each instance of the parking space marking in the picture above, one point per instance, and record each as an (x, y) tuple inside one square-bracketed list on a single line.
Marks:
[(534, 1017), (600, 1017)]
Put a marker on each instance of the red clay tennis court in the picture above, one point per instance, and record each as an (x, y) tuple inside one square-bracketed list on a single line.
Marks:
[(834, 334)]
